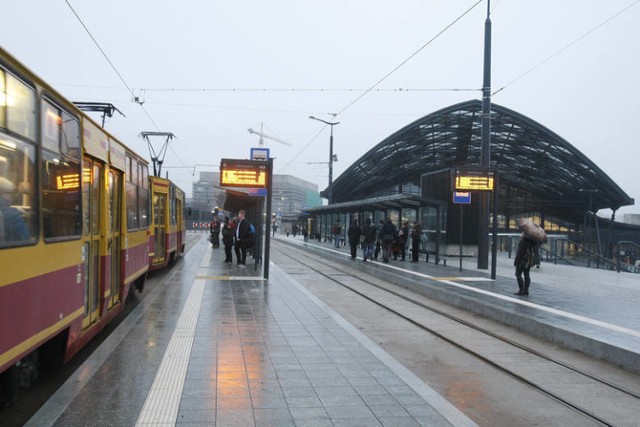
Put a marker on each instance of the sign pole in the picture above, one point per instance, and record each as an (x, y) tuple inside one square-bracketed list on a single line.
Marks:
[(461, 207), (267, 237)]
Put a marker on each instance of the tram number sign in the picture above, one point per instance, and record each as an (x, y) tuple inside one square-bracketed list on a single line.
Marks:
[(243, 173), (474, 179)]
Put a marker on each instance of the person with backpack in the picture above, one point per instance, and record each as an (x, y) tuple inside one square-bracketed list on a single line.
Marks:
[(242, 238)]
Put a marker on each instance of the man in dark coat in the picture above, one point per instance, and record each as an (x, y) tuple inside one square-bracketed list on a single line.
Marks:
[(387, 234), (243, 229), (524, 260), (369, 232), (354, 233), (416, 235)]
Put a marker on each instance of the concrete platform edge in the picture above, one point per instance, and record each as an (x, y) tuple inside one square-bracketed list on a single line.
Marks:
[(609, 352)]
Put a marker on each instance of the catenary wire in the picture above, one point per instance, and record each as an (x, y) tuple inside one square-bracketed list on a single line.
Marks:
[(558, 52), (146, 112)]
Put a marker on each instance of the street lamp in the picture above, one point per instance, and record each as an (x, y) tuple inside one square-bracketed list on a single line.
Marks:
[(332, 158)]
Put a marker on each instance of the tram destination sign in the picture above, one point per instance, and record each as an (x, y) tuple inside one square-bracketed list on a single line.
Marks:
[(473, 179), (243, 173)]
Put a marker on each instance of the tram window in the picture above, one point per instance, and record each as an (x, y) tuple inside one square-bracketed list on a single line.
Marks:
[(61, 204), (18, 209), (17, 106), (60, 131), (133, 222), (143, 197)]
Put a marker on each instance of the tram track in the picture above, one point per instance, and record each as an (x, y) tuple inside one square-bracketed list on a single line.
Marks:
[(326, 267)]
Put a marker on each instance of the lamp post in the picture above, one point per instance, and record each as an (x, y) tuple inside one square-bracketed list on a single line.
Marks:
[(331, 160)]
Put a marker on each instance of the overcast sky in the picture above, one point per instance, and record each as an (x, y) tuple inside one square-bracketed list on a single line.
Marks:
[(183, 58)]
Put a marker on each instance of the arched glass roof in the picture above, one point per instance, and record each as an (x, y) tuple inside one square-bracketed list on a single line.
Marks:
[(530, 158)]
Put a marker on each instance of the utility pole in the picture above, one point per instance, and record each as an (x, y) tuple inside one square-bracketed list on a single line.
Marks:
[(485, 156), (332, 157)]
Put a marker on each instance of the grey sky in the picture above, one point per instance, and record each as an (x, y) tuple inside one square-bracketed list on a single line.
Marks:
[(587, 94)]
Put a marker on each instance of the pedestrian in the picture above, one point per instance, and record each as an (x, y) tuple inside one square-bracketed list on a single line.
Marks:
[(305, 233), (228, 230), (403, 235), (369, 233), (388, 234), (243, 229), (286, 230), (336, 232), (214, 229), (416, 235), (354, 233), (524, 260), (294, 230), (378, 239)]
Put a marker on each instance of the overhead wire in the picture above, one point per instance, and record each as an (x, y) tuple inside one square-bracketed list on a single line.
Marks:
[(558, 52), (441, 32), (117, 72)]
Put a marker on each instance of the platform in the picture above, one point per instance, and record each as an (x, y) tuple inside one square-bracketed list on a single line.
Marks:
[(214, 344), (589, 310)]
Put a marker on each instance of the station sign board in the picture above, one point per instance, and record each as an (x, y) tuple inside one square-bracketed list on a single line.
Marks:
[(462, 197), (473, 179), (243, 173), (259, 153)]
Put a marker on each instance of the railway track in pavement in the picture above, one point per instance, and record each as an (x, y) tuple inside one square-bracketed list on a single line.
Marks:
[(506, 369)]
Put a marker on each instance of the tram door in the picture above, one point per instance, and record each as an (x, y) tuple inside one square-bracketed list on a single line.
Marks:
[(91, 185), (114, 238), (159, 226)]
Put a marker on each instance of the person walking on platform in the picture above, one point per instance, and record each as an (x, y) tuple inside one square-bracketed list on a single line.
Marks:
[(336, 232), (388, 234), (228, 230), (305, 233), (241, 238), (524, 260), (416, 235), (378, 239), (369, 239), (354, 237), (403, 236)]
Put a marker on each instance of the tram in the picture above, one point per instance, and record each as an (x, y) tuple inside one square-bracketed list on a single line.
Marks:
[(76, 231)]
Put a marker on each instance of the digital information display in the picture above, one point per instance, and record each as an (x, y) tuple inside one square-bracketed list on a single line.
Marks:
[(474, 180), (243, 173)]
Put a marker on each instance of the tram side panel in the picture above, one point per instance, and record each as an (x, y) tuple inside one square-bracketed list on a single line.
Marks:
[(69, 257)]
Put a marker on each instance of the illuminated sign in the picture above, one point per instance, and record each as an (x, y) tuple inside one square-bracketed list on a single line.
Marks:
[(243, 173), (66, 182), (474, 180)]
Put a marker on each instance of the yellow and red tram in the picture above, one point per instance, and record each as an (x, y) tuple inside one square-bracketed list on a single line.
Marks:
[(167, 231), (76, 229)]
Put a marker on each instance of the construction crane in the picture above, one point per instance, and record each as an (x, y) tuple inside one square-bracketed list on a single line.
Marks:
[(264, 136)]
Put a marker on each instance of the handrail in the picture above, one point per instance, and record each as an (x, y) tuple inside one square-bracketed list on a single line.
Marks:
[(597, 256), (617, 246)]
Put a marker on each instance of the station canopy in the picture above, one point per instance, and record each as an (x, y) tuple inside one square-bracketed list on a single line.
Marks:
[(534, 163)]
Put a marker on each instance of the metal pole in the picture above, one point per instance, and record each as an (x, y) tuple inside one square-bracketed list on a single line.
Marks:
[(494, 247), (461, 205), (267, 237), (483, 220), (330, 193)]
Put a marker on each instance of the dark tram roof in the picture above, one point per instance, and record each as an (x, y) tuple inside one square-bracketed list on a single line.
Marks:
[(529, 156)]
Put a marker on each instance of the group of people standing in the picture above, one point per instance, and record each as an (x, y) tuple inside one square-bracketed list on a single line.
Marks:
[(236, 233), (385, 238)]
